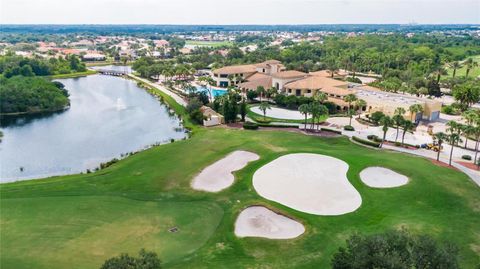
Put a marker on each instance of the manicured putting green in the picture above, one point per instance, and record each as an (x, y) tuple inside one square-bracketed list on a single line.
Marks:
[(60, 232)]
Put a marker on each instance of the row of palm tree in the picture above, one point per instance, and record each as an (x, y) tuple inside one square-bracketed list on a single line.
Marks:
[(455, 131), (469, 64), (317, 111), (397, 121)]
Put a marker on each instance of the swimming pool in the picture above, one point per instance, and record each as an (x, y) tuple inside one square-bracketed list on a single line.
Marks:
[(215, 91)]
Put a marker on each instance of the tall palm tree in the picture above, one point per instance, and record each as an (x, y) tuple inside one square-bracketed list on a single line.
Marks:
[(406, 127), (359, 104), (455, 65), (438, 72), (305, 110), (350, 98), (263, 107), (454, 129), (470, 64), (398, 119), (260, 92), (385, 121), (314, 110), (414, 109), (440, 137), (322, 111)]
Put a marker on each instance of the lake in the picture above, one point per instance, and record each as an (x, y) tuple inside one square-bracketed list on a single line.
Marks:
[(109, 116)]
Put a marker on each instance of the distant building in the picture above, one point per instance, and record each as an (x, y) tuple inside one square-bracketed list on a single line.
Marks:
[(272, 74), (93, 56)]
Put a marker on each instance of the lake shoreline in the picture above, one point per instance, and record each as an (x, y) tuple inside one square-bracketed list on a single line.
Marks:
[(170, 127)]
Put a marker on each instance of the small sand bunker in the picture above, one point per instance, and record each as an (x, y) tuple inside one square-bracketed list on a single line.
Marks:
[(218, 176), (379, 177), (311, 183), (258, 221)]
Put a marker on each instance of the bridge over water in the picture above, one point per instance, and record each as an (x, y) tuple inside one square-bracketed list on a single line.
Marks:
[(117, 73)]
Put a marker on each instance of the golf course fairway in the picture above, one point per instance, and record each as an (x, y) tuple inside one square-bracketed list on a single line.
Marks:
[(146, 201)]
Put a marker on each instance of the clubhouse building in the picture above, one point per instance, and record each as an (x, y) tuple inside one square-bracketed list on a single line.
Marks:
[(272, 74)]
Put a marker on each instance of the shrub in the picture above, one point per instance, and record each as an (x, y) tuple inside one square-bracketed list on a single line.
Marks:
[(366, 142), (354, 80), (145, 260), (348, 128), (372, 137), (448, 110), (395, 249), (467, 157), (376, 116), (248, 125), (398, 144)]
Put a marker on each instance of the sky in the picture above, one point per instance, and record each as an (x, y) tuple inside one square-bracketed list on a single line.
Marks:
[(239, 11)]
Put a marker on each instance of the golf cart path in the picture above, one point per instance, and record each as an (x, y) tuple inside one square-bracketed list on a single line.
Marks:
[(177, 98)]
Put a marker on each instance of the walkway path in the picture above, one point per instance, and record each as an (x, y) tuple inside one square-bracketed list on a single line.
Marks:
[(474, 175), (363, 131), (176, 97)]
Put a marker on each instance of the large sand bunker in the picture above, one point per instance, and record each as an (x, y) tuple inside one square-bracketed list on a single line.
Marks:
[(218, 175), (258, 221), (311, 183), (379, 177)]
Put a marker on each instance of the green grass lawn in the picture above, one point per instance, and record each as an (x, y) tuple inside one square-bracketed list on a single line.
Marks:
[(474, 72), (79, 221), (208, 43), (74, 75)]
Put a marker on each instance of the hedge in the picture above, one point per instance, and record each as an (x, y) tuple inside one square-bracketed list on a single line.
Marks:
[(277, 125), (250, 125), (366, 142)]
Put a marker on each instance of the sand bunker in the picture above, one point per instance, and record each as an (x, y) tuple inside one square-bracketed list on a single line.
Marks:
[(311, 183), (379, 177), (218, 176), (258, 221)]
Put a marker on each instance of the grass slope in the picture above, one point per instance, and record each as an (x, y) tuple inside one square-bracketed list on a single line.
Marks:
[(81, 220)]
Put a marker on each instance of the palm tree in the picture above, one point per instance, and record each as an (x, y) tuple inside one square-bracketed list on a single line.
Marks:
[(314, 111), (385, 121), (398, 119), (454, 131), (359, 104), (470, 64), (414, 110), (260, 92), (455, 65), (438, 72), (406, 126), (305, 110), (349, 98), (263, 107), (320, 97), (440, 137), (322, 111)]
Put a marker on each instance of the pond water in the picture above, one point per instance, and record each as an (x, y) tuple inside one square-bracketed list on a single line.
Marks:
[(109, 116)]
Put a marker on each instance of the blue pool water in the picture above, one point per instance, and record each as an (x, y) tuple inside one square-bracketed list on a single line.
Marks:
[(215, 91)]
